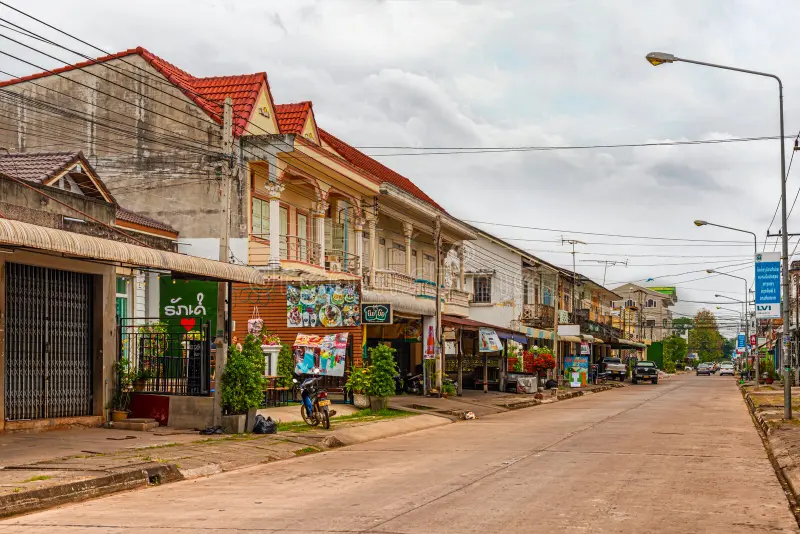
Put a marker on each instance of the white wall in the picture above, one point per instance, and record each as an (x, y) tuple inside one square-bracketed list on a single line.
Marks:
[(506, 305)]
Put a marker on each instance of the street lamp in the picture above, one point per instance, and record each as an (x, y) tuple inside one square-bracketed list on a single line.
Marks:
[(659, 58), (755, 238), (746, 306)]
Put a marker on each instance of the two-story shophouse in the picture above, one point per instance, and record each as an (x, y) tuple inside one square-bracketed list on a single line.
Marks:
[(645, 311)]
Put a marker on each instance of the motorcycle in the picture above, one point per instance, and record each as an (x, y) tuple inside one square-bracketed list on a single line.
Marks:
[(316, 404), (414, 385), (398, 384)]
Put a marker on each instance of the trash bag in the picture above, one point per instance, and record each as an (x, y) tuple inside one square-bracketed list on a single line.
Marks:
[(264, 425), (551, 384)]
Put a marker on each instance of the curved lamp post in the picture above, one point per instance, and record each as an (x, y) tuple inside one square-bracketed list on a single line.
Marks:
[(659, 58), (746, 306)]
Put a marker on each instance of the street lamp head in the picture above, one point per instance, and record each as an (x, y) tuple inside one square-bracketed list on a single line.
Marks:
[(657, 58), (710, 271), (700, 223)]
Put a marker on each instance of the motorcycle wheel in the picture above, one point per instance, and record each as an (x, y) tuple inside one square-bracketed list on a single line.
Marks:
[(308, 420), (326, 420)]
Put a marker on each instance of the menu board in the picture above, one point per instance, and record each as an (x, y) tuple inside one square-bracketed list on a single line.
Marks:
[(322, 305), (320, 355)]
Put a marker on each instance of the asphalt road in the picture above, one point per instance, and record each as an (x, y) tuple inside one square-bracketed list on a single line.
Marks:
[(681, 456)]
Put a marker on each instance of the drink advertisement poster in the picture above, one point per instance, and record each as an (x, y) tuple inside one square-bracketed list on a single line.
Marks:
[(320, 355)]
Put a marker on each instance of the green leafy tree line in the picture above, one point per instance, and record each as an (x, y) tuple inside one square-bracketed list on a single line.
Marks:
[(704, 337)]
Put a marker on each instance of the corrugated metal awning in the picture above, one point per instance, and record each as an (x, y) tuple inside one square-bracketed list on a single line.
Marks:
[(31, 236)]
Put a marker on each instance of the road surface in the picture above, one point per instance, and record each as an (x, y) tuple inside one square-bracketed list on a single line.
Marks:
[(681, 456)]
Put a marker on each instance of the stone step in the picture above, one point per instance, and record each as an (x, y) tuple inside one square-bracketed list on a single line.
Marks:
[(141, 424)]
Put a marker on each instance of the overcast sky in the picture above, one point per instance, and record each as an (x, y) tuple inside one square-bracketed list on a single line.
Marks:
[(520, 73)]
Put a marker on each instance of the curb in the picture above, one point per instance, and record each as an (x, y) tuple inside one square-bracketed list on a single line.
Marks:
[(40, 499)]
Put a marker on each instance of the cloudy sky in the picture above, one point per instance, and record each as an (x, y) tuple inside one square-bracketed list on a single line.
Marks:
[(474, 74)]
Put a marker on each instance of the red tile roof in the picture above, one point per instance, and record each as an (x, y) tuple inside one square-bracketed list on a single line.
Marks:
[(39, 167), (380, 171), (208, 93), (137, 218), (292, 117)]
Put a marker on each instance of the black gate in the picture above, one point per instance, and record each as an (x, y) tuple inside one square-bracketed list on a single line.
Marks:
[(48, 344), (165, 358)]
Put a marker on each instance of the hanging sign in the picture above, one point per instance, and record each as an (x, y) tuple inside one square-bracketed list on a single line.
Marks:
[(768, 285), (430, 347), (586, 350), (188, 303), (376, 314), (489, 341)]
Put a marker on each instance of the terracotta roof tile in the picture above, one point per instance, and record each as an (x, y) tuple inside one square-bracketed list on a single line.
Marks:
[(208, 93), (38, 166), (377, 169), (292, 117), (137, 218)]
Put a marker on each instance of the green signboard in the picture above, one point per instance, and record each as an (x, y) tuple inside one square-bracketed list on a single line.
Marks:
[(376, 314), (669, 291), (188, 303)]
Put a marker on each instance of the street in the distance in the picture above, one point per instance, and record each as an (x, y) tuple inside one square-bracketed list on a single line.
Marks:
[(633, 459)]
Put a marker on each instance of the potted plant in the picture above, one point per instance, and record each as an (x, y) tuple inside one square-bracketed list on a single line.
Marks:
[(120, 402), (382, 371), (242, 386), (141, 376), (448, 389), (358, 384)]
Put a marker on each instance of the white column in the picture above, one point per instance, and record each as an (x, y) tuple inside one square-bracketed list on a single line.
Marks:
[(274, 190), (320, 209), (461, 281), (408, 229), (372, 224), (358, 226)]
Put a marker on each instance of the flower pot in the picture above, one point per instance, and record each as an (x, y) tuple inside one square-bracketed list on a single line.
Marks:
[(769, 380), (360, 401), (234, 424), (139, 385), (378, 403), (118, 415)]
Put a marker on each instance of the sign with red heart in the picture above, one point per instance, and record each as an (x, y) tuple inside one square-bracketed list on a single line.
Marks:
[(188, 322)]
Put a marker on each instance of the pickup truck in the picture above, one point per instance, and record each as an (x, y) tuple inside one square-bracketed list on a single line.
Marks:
[(645, 371), (614, 368)]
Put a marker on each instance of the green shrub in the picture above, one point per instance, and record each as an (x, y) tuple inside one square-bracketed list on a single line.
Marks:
[(358, 381), (767, 366), (382, 371), (243, 380), (669, 366), (448, 388), (285, 366)]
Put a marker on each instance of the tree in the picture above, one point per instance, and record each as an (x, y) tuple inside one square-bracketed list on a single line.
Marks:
[(704, 337), (675, 349), (682, 324), (728, 347)]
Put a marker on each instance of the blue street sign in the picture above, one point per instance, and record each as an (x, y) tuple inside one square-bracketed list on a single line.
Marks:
[(740, 341), (768, 285)]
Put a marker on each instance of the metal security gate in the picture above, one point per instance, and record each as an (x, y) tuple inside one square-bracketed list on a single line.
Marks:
[(48, 346)]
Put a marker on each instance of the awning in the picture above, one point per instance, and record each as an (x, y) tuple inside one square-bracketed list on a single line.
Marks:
[(571, 339), (536, 333), (597, 340), (519, 338), (469, 324), (70, 244), (587, 337), (619, 343)]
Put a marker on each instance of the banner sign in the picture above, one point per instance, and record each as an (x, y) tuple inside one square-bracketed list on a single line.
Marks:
[(430, 348), (188, 303), (323, 305), (320, 355), (768, 285), (489, 341), (740, 341), (376, 314), (586, 350)]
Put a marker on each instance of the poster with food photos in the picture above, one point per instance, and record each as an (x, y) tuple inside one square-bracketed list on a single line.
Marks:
[(322, 306)]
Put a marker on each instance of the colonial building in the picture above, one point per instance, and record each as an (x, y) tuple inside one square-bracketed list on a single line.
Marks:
[(647, 309)]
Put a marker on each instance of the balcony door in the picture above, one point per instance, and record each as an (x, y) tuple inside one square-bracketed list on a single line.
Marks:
[(284, 216), (302, 237)]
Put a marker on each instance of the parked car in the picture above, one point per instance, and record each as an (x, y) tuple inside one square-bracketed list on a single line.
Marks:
[(614, 368), (645, 371), (704, 369), (688, 368), (726, 368)]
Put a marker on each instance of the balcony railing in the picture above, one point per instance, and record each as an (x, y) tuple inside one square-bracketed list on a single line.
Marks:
[(293, 248), (390, 281), (425, 288), (457, 297), (538, 315)]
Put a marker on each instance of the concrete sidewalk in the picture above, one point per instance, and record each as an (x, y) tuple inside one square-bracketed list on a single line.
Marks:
[(47, 469)]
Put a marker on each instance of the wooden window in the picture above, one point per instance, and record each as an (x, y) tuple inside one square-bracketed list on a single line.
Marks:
[(260, 222), (525, 289), (483, 290), (429, 267)]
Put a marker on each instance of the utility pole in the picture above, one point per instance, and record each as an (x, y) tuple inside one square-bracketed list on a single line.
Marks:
[(221, 340), (439, 348), (573, 242), (556, 342), (607, 263)]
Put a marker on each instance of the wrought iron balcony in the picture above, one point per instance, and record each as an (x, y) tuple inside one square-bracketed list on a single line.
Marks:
[(538, 315)]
